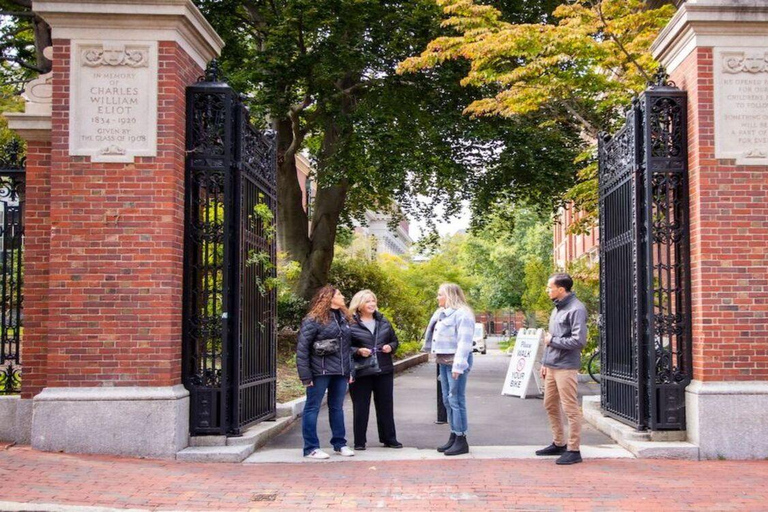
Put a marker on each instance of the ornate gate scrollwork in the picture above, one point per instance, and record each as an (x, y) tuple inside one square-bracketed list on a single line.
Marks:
[(12, 181), (645, 333), (229, 359)]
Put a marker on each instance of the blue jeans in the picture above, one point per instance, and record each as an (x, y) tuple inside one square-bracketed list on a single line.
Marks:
[(337, 389), (454, 397)]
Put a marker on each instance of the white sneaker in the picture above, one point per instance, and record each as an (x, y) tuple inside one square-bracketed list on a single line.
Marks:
[(345, 451), (318, 454)]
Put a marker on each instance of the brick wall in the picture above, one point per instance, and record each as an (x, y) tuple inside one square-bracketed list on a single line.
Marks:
[(36, 250), (112, 261), (729, 243)]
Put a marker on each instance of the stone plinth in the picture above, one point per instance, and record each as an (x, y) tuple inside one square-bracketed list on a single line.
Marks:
[(146, 421), (717, 50)]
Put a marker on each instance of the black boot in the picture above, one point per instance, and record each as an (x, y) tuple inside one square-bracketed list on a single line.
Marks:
[(569, 457), (460, 446), (552, 449), (447, 445)]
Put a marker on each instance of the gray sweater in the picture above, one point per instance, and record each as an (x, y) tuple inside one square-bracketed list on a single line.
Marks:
[(568, 327)]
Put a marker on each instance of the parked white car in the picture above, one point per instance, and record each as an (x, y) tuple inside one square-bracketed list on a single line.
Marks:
[(478, 339)]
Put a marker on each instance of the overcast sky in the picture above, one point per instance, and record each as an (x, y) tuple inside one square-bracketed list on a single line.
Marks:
[(448, 227)]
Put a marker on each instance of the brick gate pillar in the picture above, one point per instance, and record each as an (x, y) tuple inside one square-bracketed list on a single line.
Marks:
[(717, 50), (105, 226)]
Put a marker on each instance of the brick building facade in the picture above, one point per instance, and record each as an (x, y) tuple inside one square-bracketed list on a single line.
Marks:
[(569, 247)]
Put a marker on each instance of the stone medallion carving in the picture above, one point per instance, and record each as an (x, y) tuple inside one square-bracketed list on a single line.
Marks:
[(134, 58), (741, 105), (113, 100)]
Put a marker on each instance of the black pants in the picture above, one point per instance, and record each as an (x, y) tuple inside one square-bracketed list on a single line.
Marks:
[(381, 386)]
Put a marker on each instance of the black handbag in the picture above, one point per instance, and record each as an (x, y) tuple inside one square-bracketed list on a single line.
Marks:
[(365, 366), (326, 347)]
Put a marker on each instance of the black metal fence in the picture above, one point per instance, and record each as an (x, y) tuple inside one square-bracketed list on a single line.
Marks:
[(230, 360), (12, 180), (645, 332)]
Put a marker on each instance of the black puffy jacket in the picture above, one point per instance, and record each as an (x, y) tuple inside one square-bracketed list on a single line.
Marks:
[(383, 334), (310, 364)]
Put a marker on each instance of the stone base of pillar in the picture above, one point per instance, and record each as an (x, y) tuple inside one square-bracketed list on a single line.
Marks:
[(15, 419), (728, 418), (132, 421)]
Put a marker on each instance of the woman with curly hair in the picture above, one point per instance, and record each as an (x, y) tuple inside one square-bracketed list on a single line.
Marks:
[(324, 362)]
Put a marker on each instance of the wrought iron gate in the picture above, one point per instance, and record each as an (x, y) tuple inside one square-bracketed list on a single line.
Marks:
[(230, 360), (645, 332), (12, 180)]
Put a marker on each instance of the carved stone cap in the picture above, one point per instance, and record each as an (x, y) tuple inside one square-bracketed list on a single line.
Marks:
[(160, 20), (708, 24)]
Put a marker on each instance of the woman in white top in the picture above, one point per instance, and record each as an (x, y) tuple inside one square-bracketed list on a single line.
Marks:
[(449, 337)]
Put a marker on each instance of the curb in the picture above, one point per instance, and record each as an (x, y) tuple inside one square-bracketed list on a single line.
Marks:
[(641, 444), (410, 362)]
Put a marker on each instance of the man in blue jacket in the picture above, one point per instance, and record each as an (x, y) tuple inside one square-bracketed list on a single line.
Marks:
[(560, 367)]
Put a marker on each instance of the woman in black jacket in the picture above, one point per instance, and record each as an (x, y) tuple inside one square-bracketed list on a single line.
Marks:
[(324, 361), (372, 336)]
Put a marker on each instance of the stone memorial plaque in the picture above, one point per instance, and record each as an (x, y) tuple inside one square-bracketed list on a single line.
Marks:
[(741, 105), (113, 100)]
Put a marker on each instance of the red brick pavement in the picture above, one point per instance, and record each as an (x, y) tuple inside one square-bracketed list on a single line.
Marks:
[(34, 477)]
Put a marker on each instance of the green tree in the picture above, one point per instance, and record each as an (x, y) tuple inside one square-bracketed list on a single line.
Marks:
[(499, 252), (23, 37), (323, 74), (583, 64)]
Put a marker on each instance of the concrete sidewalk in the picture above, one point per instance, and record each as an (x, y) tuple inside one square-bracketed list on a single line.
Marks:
[(504, 425)]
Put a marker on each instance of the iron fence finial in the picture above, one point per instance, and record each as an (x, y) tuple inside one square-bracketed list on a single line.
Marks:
[(212, 71), (661, 78)]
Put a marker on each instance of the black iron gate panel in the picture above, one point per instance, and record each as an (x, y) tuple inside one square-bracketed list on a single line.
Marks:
[(12, 181), (620, 367), (665, 235), (229, 346), (645, 333), (257, 329)]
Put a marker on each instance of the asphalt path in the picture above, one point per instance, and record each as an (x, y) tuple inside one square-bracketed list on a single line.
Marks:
[(494, 419)]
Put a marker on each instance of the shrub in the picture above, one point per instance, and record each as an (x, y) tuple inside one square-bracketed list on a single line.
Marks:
[(408, 348)]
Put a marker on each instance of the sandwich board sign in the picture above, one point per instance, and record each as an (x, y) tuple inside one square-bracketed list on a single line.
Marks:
[(523, 378)]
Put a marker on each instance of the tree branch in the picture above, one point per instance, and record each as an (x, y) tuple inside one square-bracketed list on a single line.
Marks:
[(18, 14), (588, 126), (616, 40), (23, 3), (297, 133), (25, 64)]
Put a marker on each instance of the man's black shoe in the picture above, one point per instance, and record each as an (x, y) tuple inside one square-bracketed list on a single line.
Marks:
[(569, 457), (396, 444), (359, 447), (460, 447), (447, 445), (552, 449)]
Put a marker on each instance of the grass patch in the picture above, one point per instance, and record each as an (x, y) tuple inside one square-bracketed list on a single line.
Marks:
[(505, 345), (289, 387)]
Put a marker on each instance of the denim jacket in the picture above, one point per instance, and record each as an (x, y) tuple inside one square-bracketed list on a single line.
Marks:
[(450, 331)]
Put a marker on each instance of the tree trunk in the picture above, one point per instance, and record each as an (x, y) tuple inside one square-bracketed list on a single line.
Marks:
[(329, 203), (313, 247), (292, 222), (43, 40)]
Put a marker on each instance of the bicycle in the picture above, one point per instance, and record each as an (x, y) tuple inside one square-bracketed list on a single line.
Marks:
[(593, 366)]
